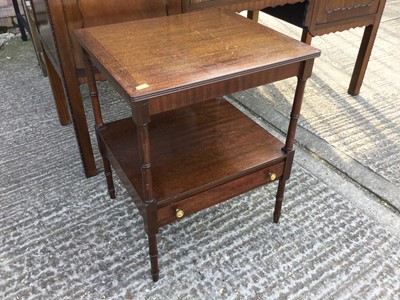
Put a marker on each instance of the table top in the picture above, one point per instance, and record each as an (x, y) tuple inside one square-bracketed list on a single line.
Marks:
[(148, 58)]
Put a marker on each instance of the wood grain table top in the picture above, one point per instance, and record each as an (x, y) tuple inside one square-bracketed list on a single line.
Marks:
[(159, 56)]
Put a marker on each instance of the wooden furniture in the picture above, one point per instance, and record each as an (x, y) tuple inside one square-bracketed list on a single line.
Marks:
[(185, 149), (327, 16), (57, 19)]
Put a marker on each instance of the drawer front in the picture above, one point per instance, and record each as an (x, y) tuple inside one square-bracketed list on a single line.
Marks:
[(218, 194), (337, 10)]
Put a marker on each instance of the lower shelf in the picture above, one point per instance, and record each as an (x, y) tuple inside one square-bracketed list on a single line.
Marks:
[(196, 150)]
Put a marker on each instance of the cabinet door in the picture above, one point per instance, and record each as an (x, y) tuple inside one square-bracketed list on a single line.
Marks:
[(336, 10)]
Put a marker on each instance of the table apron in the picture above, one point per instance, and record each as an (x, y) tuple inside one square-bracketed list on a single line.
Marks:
[(221, 88)]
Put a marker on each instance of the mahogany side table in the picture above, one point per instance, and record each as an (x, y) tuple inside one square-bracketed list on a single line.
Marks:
[(185, 148)]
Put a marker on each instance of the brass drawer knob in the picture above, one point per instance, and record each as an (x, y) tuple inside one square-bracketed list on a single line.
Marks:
[(179, 213), (271, 176)]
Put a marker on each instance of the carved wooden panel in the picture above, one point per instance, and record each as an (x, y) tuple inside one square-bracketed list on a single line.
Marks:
[(335, 10), (236, 5)]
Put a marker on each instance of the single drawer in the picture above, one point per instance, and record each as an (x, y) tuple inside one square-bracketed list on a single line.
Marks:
[(337, 10), (208, 198)]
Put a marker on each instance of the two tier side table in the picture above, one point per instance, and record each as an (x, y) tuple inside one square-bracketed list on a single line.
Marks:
[(186, 148)]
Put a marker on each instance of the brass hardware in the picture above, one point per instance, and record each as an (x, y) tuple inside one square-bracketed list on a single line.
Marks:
[(272, 176), (179, 213)]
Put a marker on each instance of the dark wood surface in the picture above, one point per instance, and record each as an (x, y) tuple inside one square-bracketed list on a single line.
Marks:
[(189, 51), (57, 19), (192, 149), (182, 160)]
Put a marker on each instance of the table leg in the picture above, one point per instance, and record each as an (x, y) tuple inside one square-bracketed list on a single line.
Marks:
[(141, 117), (304, 74), (295, 114), (253, 15), (279, 199), (153, 252), (364, 54), (91, 80), (78, 115), (58, 92)]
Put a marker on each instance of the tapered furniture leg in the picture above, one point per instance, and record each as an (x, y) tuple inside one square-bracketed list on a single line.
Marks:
[(78, 115), (108, 173), (279, 200), (363, 57), (153, 252), (58, 92), (364, 54)]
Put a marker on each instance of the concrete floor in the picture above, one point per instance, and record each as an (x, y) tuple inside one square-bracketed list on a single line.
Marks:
[(339, 235)]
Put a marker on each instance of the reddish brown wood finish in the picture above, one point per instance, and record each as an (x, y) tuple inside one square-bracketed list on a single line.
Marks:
[(184, 162), (51, 23), (58, 91), (196, 54), (58, 18), (180, 154)]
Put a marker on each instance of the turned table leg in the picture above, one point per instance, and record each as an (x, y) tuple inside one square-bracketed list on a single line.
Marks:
[(99, 123), (304, 74), (153, 252), (141, 117), (279, 200)]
